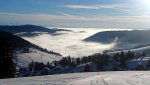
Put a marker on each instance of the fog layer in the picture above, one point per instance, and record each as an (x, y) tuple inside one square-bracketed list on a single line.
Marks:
[(70, 43)]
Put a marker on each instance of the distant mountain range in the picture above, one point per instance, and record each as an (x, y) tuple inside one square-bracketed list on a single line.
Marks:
[(123, 39), (29, 30)]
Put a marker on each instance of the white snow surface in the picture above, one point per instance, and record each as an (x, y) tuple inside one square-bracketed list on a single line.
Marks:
[(91, 78), (135, 50), (23, 59), (116, 78)]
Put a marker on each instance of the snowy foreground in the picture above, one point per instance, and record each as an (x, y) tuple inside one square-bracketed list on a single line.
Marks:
[(93, 78)]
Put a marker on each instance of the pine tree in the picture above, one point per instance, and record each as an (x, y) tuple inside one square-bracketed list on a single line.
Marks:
[(148, 64), (78, 61), (31, 66), (116, 57), (123, 59), (7, 58), (143, 54), (87, 68)]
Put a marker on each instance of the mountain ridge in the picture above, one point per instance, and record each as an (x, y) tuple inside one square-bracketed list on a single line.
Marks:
[(29, 30), (121, 38)]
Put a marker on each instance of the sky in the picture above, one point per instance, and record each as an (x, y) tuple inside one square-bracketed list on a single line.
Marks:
[(77, 13)]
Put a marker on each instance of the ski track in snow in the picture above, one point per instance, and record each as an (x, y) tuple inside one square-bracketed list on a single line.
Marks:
[(116, 78), (91, 78)]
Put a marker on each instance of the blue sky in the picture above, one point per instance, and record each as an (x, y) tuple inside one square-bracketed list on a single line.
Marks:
[(77, 13)]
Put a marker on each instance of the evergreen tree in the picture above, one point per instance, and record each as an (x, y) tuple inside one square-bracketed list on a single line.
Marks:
[(72, 64), (143, 54), (129, 55), (115, 68), (140, 67), (31, 66), (44, 71), (87, 68), (103, 61), (78, 61), (148, 64), (116, 57), (123, 59), (7, 58)]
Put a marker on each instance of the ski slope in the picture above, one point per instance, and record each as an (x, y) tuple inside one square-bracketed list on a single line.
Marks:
[(91, 78)]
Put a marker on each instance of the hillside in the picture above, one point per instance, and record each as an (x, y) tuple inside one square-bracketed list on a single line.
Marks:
[(26, 51), (123, 39)]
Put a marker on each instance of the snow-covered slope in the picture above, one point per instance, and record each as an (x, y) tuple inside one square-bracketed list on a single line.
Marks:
[(139, 50), (116, 78), (37, 56), (61, 79), (93, 78)]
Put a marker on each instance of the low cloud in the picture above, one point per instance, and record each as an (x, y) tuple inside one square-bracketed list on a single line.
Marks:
[(111, 6), (71, 43)]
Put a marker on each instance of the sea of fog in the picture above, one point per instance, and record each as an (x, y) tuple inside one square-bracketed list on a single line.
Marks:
[(70, 42)]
